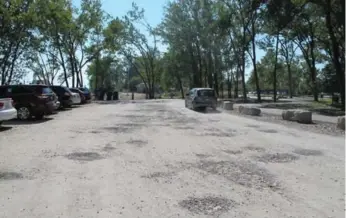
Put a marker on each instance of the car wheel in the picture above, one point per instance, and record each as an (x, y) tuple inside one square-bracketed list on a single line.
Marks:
[(23, 113)]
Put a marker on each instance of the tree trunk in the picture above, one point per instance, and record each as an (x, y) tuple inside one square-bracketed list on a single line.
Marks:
[(275, 65), (243, 65), (290, 80), (336, 53)]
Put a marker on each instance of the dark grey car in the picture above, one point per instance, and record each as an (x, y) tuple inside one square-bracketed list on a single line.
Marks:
[(200, 98)]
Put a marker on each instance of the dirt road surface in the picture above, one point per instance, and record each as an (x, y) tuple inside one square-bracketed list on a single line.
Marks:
[(158, 159)]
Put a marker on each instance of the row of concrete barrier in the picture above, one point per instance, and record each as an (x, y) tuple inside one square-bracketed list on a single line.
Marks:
[(300, 116)]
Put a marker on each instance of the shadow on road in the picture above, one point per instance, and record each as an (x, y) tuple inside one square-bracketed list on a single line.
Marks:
[(208, 111), (27, 122), (5, 128)]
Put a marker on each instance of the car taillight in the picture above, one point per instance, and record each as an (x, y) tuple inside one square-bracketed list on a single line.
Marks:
[(2, 104)]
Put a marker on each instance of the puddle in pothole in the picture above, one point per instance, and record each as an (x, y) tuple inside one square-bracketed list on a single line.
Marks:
[(208, 205), (10, 176), (308, 152), (277, 158), (254, 148), (243, 173), (84, 156)]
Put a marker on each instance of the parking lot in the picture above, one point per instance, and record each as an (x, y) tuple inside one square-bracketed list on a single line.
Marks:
[(159, 159)]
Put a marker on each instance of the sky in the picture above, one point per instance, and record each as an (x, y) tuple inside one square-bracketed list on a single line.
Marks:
[(154, 11)]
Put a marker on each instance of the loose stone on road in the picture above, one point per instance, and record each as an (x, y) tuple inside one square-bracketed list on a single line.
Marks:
[(158, 159)]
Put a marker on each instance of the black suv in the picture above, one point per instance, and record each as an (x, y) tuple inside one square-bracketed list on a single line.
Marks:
[(30, 100), (64, 95)]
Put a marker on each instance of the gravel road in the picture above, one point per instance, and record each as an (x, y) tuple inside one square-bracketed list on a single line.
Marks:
[(158, 159)]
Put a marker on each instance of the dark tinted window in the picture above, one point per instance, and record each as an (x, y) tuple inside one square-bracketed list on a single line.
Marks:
[(2, 92), (19, 90), (67, 90), (206, 93)]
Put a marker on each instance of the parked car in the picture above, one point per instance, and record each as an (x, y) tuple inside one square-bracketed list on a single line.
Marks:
[(30, 100), (86, 93), (81, 94), (200, 98), (64, 95), (7, 111)]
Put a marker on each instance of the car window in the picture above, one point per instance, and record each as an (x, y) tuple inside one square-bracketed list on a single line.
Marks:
[(206, 93), (19, 90), (43, 90)]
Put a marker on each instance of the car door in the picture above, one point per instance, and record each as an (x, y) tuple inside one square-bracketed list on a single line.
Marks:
[(21, 95)]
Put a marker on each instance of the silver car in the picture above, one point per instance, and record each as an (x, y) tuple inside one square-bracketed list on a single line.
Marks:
[(200, 98)]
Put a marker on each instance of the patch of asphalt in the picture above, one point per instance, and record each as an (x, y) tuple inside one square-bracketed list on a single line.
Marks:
[(277, 158), (243, 173), (208, 205), (308, 152), (84, 156)]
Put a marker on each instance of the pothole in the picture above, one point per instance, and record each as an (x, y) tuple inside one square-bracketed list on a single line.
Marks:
[(203, 155), (95, 132), (209, 205), (10, 176), (109, 147), (137, 142), (308, 152), (218, 134), (243, 173), (254, 148), (183, 127), (158, 175), (268, 130), (84, 156), (234, 152), (277, 158), (253, 126)]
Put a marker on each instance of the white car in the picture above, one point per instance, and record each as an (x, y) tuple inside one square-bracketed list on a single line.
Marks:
[(7, 111), (75, 97)]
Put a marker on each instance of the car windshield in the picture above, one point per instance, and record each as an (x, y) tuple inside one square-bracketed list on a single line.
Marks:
[(206, 93)]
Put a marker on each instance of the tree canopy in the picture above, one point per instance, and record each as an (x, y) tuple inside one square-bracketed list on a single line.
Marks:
[(210, 43)]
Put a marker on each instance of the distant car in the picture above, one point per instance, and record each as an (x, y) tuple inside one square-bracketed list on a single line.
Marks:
[(81, 94), (30, 100), (200, 98), (7, 111), (64, 95), (76, 99), (86, 93)]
